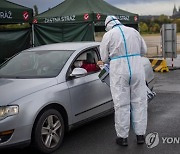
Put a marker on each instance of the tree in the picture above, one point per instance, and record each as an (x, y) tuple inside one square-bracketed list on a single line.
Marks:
[(154, 23), (155, 28), (15, 26), (163, 19), (177, 22), (35, 10), (143, 27)]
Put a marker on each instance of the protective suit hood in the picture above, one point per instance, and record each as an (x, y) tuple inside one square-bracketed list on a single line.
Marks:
[(110, 22)]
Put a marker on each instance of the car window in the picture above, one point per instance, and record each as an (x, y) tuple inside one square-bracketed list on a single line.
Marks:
[(87, 60), (35, 64)]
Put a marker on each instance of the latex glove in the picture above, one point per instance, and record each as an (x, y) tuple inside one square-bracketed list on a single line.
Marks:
[(100, 64)]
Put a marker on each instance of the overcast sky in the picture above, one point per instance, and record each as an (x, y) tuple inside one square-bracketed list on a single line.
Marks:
[(141, 7)]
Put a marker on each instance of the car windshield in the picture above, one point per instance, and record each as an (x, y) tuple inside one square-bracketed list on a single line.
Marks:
[(35, 64)]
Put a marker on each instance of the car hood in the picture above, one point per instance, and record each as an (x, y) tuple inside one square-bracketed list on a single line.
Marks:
[(14, 89)]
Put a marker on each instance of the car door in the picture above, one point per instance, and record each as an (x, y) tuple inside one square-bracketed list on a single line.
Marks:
[(89, 96)]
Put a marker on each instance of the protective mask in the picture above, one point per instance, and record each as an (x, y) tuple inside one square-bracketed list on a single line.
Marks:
[(78, 63)]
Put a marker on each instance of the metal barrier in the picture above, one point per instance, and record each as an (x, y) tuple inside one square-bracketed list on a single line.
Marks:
[(154, 46), (153, 49)]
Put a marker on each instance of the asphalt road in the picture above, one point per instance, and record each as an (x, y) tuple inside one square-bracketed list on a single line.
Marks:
[(98, 137)]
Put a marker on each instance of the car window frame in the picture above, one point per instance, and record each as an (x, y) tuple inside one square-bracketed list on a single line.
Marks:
[(95, 49)]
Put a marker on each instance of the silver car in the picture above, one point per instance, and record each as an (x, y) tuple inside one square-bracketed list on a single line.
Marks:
[(44, 92)]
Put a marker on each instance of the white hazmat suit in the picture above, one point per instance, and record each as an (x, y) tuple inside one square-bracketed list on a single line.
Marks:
[(124, 47)]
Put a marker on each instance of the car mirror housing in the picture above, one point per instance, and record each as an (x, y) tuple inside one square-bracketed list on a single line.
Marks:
[(78, 72)]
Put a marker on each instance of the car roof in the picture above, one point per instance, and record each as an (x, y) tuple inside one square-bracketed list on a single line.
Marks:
[(65, 46)]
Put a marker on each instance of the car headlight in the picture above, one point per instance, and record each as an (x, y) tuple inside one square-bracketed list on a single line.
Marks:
[(6, 111)]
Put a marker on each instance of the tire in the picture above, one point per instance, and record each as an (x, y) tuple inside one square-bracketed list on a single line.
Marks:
[(49, 131)]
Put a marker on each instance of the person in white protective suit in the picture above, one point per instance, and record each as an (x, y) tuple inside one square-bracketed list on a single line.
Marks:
[(123, 47)]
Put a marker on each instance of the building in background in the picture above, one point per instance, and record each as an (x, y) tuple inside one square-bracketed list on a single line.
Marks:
[(176, 12)]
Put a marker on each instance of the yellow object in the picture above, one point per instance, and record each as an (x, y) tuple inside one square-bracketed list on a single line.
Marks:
[(159, 65)]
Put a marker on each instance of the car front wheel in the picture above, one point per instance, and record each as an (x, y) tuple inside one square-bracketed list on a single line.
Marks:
[(49, 131)]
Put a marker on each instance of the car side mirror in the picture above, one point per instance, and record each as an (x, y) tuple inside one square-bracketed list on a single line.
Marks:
[(78, 72)]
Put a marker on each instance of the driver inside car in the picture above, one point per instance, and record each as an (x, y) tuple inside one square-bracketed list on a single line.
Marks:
[(87, 62)]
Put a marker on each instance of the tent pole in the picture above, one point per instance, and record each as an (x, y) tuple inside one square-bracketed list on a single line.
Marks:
[(32, 35)]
